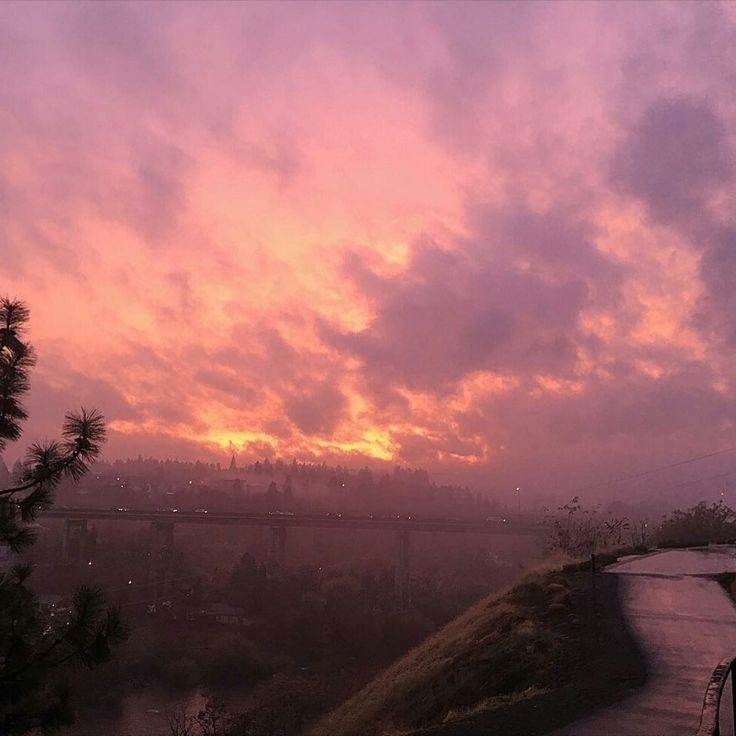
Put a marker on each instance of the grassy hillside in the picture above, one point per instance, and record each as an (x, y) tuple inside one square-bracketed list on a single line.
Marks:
[(516, 662)]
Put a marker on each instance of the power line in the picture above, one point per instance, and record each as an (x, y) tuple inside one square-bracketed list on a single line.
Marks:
[(697, 480), (651, 471)]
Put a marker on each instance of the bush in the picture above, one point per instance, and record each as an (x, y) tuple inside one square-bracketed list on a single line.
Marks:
[(698, 526)]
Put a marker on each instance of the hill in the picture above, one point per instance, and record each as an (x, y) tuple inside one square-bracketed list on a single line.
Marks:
[(524, 661)]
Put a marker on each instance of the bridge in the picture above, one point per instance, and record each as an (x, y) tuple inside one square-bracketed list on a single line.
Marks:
[(74, 543)]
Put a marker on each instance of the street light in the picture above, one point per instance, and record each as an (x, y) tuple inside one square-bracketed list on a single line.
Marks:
[(518, 499)]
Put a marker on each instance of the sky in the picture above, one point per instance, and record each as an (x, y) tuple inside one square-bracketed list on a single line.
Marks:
[(493, 240)]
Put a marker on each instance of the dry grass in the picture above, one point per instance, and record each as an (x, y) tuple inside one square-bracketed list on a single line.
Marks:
[(489, 704), (501, 648)]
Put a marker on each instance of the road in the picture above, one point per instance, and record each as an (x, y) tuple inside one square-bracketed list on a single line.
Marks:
[(685, 623)]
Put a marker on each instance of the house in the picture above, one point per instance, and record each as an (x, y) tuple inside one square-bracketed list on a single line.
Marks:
[(55, 610), (48, 602), (224, 614)]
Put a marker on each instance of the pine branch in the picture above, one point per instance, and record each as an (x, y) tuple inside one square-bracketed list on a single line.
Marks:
[(28, 657), (90, 638), (82, 436), (16, 360)]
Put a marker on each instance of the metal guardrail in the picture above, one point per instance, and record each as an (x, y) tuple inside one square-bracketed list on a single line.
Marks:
[(709, 718)]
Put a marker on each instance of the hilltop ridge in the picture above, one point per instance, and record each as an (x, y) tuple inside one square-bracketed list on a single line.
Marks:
[(533, 657)]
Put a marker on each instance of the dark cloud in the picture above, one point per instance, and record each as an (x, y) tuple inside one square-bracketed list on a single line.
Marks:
[(316, 409), (636, 405), (157, 444), (172, 408), (261, 367), (716, 314), (226, 381), (480, 40), (283, 160), (121, 44), (506, 299), (57, 388), (674, 158), (156, 196), (604, 428), (416, 448)]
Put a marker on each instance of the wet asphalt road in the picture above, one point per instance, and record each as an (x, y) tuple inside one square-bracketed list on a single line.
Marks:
[(685, 624)]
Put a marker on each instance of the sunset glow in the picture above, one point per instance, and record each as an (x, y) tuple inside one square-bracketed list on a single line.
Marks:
[(448, 235)]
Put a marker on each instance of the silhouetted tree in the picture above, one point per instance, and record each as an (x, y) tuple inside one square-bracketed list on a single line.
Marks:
[(576, 530), (213, 720), (32, 652)]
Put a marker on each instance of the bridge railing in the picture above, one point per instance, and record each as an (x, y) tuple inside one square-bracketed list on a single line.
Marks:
[(710, 716)]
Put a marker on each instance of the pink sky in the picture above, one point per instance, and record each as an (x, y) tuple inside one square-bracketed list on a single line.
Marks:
[(494, 240)]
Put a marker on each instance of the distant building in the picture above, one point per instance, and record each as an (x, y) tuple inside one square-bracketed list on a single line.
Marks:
[(47, 602), (224, 614)]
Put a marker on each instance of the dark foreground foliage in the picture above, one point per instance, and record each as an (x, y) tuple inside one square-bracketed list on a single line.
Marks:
[(35, 650)]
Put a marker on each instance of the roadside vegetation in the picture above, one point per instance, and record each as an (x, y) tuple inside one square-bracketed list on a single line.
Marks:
[(698, 526)]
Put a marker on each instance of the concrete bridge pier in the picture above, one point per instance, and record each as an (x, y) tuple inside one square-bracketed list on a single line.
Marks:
[(277, 550), (74, 542), (162, 560), (401, 568)]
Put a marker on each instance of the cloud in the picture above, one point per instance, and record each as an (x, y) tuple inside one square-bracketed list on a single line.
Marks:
[(678, 161), (118, 45), (57, 388), (674, 158), (502, 299), (225, 381), (717, 306), (316, 409), (157, 190)]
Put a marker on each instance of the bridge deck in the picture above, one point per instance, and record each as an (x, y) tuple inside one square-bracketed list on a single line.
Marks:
[(322, 521)]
